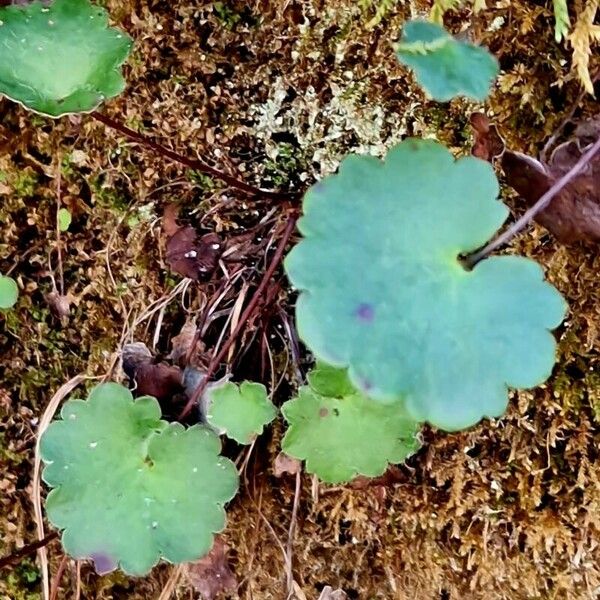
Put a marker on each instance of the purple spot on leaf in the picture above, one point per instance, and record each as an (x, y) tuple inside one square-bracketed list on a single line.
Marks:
[(366, 385), (365, 312), (323, 412), (103, 563)]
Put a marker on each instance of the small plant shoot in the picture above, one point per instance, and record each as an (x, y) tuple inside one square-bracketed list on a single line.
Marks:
[(63, 58), (345, 434), (129, 488), (64, 219), (384, 292), (9, 292), (444, 66), (240, 412)]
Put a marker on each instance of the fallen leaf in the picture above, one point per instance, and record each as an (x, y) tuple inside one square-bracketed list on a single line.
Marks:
[(285, 464), (186, 253), (574, 214), (487, 143), (182, 343), (160, 380), (211, 575), (59, 305)]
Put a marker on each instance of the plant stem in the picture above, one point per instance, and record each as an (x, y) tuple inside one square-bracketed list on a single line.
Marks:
[(471, 260), (214, 363), (15, 557), (191, 163)]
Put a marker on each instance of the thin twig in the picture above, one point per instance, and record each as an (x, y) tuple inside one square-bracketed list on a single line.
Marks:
[(61, 276), (58, 577), (541, 204), (214, 363), (291, 532), (191, 163), (18, 555)]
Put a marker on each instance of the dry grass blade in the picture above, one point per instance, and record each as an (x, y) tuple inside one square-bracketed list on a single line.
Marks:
[(172, 582)]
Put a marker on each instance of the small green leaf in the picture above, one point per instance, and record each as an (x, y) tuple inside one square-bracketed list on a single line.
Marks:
[(240, 412), (562, 23), (446, 67), (9, 292), (64, 58), (64, 219), (130, 488), (330, 381), (342, 437), (383, 290)]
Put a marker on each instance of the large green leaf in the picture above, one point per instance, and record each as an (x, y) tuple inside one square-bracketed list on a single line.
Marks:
[(9, 292), (346, 435), (446, 67), (131, 488), (61, 58), (383, 290), (241, 411)]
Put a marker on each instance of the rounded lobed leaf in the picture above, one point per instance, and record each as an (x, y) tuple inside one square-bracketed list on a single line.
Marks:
[(130, 488), (63, 57), (446, 67), (241, 412), (345, 436), (383, 290), (9, 292)]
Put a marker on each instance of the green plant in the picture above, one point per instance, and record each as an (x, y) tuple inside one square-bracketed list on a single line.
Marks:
[(446, 67), (417, 326), (341, 433), (130, 488), (240, 412), (63, 58), (9, 292)]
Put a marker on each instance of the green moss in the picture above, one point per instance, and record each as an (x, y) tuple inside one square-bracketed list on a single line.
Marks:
[(24, 183), (22, 582)]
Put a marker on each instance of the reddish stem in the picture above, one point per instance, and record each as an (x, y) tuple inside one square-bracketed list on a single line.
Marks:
[(541, 204), (58, 577), (192, 163), (215, 361)]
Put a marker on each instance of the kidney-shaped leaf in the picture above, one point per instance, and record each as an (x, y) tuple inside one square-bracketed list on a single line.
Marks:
[(446, 67), (383, 290), (240, 412), (130, 488), (62, 58), (9, 292), (342, 437)]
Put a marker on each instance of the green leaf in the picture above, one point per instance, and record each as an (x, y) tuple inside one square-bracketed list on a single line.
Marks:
[(64, 219), (330, 381), (63, 58), (240, 412), (130, 488), (342, 437), (384, 293), (446, 67), (9, 292)]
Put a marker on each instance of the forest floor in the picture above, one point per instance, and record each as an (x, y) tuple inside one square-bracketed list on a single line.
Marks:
[(278, 92)]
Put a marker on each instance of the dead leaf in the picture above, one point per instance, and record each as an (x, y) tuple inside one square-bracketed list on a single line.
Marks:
[(186, 254), (285, 464), (211, 575), (59, 305), (182, 343), (487, 142), (328, 593), (160, 380), (574, 214)]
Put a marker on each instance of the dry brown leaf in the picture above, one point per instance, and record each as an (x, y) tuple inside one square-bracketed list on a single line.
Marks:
[(328, 593), (211, 575), (487, 143), (574, 214), (285, 464)]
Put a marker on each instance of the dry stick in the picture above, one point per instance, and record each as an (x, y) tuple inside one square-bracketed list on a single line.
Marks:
[(541, 204), (16, 557), (191, 163), (58, 577), (214, 363)]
